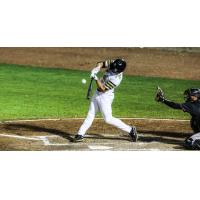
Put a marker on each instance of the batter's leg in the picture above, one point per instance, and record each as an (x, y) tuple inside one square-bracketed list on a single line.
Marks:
[(105, 106), (93, 109)]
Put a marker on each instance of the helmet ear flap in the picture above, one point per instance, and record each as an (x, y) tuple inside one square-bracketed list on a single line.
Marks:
[(115, 70)]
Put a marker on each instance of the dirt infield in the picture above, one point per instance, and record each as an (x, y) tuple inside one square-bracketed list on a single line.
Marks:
[(141, 61), (58, 134)]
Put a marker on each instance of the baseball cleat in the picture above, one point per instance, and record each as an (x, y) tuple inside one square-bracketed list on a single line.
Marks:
[(133, 134), (78, 138)]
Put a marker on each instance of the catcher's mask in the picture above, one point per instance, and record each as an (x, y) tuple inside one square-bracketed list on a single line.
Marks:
[(191, 92), (117, 66)]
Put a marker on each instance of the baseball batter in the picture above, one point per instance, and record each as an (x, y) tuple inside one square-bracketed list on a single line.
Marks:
[(104, 96)]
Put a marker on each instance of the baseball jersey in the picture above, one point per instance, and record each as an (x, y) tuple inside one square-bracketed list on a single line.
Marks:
[(111, 80)]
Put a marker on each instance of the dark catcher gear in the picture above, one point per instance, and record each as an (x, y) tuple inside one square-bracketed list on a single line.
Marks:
[(190, 106)]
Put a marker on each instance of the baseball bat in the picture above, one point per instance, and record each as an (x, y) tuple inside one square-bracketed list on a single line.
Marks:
[(89, 91)]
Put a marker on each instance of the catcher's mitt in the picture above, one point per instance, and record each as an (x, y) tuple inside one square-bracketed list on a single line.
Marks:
[(159, 95)]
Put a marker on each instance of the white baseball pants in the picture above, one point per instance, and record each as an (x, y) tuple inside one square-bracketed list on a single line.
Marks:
[(102, 102)]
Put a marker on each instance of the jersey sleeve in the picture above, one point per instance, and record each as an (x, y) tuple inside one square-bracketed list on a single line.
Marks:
[(172, 104), (113, 82)]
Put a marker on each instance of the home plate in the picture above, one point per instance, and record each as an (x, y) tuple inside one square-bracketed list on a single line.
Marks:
[(92, 147)]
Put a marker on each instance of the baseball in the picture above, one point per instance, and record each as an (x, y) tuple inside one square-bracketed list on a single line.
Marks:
[(84, 81)]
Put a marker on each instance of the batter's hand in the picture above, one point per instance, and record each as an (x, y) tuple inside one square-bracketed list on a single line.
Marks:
[(159, 97), (94, 76)]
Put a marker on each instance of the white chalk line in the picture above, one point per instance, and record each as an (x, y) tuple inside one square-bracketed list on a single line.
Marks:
[(19, 137), (43, 139), (65, 119), (93, 146), (46, 141), (99, 147), (143, 149)]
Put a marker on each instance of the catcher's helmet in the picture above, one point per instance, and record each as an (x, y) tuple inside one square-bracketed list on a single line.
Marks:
[(118, 66), (191, 92)]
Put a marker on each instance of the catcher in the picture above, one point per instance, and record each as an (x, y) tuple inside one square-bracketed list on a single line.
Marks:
[(191, 106)]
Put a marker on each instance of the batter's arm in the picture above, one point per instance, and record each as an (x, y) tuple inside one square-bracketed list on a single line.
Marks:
[(98, 67), (100, 86)]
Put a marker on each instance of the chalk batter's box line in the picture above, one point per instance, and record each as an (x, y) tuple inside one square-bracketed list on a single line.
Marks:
[(43, 139), (46, 142), (93, 146)]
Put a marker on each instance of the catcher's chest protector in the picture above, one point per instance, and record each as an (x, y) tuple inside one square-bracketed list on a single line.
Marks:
[(193, 142), (195, 124)]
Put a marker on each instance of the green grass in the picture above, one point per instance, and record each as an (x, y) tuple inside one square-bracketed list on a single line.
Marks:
[(32, 92)]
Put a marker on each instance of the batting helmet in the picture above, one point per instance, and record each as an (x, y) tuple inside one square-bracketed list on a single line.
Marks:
[(118, 66), (191, 92)]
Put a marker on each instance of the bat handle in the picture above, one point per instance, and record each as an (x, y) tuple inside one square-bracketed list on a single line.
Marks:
[(89, 89)]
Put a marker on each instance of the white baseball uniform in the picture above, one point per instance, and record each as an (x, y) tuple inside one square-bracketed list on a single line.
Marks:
[(102, 102)]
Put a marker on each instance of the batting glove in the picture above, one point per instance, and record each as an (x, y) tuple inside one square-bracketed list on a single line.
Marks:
[(94, 76)]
